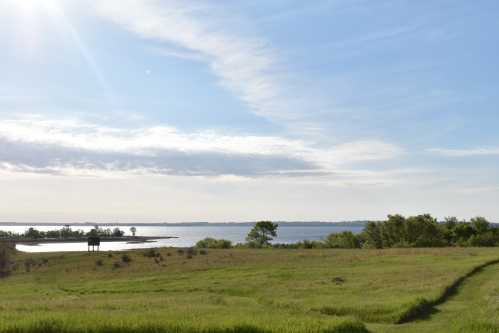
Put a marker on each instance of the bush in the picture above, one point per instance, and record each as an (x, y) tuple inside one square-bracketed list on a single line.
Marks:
[(192, 251), (203, 252), (117, 264), (486, 239), (307, 244), (28, 264), (344, 240), (212, 243), (5, 264), (126, 258), (151, 253)]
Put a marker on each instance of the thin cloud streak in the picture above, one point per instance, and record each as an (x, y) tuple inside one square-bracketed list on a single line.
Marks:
[(472, 152)]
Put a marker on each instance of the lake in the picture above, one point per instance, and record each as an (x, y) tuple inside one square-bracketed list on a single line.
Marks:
[(187, 235)]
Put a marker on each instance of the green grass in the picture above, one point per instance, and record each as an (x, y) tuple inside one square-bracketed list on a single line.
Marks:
[(473, 309), (240, 290)]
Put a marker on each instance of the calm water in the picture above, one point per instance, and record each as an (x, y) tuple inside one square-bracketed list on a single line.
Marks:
[(187, 235)]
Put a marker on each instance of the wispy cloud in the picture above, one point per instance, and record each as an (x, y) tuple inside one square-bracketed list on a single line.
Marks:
[(42, 145), (479, 151), (246, 65), (180, 53)]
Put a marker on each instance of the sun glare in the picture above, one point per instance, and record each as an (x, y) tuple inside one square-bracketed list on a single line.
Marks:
[(31, 23), (32, 7)]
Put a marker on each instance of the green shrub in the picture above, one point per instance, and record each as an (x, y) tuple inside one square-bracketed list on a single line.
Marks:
[(487, 238), (344, 240), (28, 264), (308, 244), (126, 258), (212, 243), (151, 253)]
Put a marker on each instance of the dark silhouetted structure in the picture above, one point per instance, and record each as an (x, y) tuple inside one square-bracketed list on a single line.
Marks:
[(93, 241)]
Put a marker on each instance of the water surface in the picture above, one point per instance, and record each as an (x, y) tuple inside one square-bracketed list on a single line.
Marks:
[(187, 235)]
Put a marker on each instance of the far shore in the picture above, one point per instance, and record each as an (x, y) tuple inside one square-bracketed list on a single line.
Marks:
[(128, 239)]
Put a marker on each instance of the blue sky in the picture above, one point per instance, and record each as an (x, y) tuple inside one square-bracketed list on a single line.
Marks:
[(324, 110)]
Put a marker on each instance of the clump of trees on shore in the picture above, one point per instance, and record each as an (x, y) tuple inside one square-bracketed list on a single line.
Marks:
[(414, 231), (396, 231), (425, 231), (63, 233)]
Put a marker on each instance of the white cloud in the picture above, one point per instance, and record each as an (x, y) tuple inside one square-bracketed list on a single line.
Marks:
[(246, 65), (481, 151), (38, 144)]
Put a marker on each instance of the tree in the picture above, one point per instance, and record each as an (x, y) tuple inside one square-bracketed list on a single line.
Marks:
[(117, 232), (94, 232), (372, 235), (133, 230), (462, 232), (32, 233), (451, 222), (480, 224), (262, 233), (393, 231), (424, 231)]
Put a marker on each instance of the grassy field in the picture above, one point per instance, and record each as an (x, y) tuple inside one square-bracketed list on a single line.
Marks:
[(474, 308), (245, 290)]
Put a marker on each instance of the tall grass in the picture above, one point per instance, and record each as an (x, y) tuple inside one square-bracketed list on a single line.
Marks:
[(68, 326)]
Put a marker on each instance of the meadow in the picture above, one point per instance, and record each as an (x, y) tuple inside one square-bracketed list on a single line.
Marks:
[(252, 290)]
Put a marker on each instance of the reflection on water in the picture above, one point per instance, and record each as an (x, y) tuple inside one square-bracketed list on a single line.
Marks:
[(187, 235)]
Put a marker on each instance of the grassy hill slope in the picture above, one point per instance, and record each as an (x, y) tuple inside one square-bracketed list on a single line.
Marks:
[(238, 290)]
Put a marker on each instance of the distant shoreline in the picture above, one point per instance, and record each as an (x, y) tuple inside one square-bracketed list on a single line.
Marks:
[(181, 224), (127, 239)]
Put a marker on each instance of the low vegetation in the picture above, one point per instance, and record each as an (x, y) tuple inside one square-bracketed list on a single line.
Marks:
[(396, 232), (388, 278), (235, 290), (212, 243), (6, 250)]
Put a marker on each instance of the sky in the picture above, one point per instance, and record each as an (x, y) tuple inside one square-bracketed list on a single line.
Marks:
[(174, 110)]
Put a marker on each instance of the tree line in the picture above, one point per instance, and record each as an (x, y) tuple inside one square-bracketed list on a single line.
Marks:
[(426, 231), (65, 232), (396, 231)]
